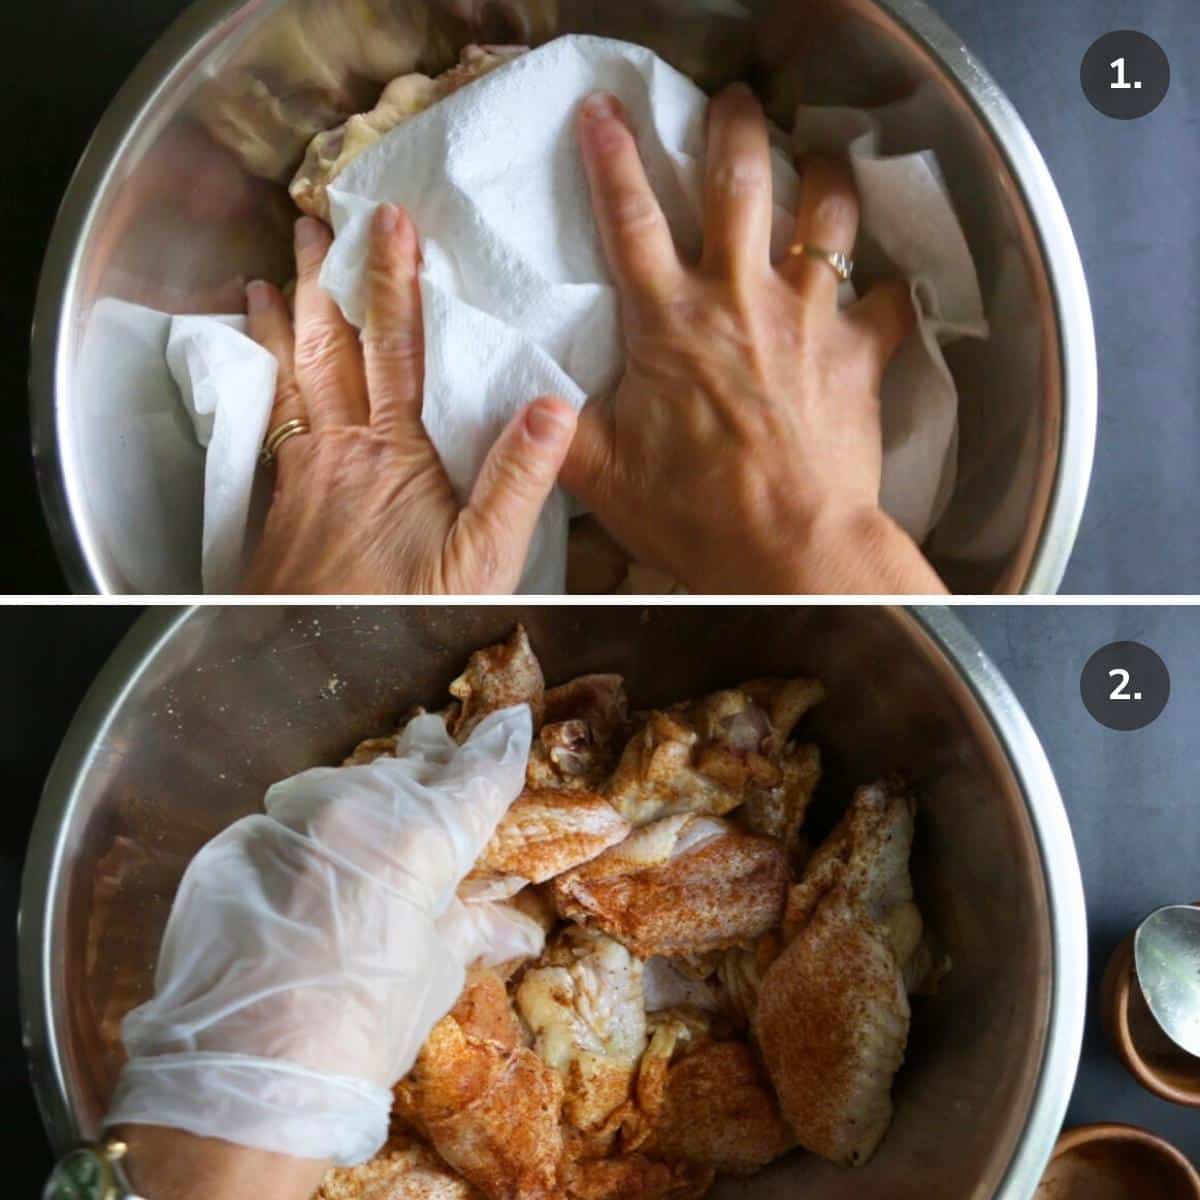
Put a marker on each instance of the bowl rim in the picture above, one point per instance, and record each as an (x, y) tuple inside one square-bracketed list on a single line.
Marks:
[(187, 41), (1065, 903), (943, 634)]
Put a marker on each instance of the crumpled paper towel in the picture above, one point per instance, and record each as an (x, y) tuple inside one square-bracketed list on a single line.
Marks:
[(909, 230), (227, 384), (516, 293)]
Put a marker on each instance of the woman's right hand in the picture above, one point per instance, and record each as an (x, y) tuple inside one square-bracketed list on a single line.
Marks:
[(742, 450)]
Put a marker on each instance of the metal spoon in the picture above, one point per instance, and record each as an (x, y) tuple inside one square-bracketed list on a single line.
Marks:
[(1166, 956)]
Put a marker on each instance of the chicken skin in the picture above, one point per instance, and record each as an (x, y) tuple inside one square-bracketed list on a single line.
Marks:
[(635, 1177), (719, 1110), (404, 1169), (562, 819), (487, 1104), (585, 724), (740, 975), (583, 1004), (778, 809), (683, 885), (667, 769), (549, 831), (497, 677), (785, 701), (710, 755), (598, 699), (333, 150), (832, 1018)]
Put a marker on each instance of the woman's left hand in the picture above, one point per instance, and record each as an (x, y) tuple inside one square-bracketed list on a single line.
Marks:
[(362, 503)]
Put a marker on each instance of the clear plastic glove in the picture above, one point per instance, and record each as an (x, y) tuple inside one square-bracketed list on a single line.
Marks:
[(310, 950)]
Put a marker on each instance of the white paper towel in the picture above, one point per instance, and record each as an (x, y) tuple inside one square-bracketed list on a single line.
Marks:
[(516, 293), (909, 229), (227, 384)]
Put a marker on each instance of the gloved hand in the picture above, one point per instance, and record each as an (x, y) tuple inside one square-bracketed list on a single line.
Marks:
[(310, 950)]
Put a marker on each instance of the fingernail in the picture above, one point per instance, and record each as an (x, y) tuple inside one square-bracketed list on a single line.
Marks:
[(600, 106), (546, 423), (387, 217), (308, 233), (258, 296)]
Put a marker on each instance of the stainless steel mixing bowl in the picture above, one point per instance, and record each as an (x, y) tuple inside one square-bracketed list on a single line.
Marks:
[(180, 196), (199, 711)]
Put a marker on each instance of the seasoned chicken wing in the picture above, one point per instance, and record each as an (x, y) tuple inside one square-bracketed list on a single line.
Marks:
[(369, 750), (684, 885), (867, 853), (405, 1169), (635, 1177), (497, 677), (833, 1017), (599, 700), (488, 1105), (382, 747), (672, 1031), (712, 754), (785, 701), (577, 746), (659, 774), (740, 974), (719, 1110), (549, 831), (333, 150), (583, 1002), (777, 810), (463, 1054), (507, 1142)]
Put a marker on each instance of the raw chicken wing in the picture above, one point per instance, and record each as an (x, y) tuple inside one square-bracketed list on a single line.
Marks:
[(719, 1110), (497, 677), (635, 1177), (577, 746), (404, 1169), (583, 1003), (333, 150), (778, 809), (833, 1017), (712, 754), (683, 885), (488, 1104)]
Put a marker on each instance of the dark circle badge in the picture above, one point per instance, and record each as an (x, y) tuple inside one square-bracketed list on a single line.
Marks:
[(1125, 74), (1125, 685)]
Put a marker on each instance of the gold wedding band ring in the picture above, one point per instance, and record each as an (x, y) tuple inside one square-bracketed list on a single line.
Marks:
[(842, 264), (279, 435)]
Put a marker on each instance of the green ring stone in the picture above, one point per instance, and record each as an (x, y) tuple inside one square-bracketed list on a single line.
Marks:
[(82, 1175)]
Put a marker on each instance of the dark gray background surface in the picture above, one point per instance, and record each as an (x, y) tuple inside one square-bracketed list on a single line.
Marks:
[(1132, 799), (1132, 192), (1128, 187)]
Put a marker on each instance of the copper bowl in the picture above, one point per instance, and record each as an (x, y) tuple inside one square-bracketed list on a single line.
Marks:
[(1117, 1162), (1155, 1061)]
